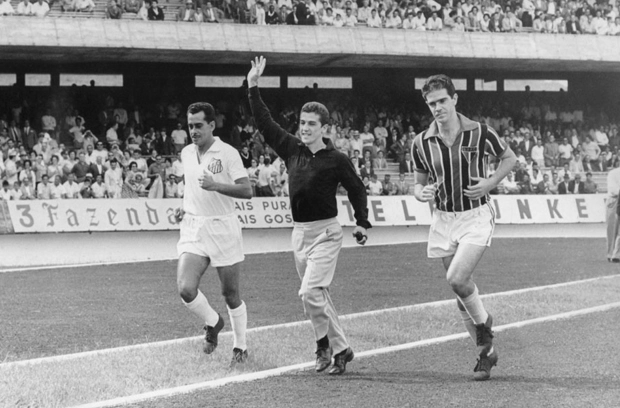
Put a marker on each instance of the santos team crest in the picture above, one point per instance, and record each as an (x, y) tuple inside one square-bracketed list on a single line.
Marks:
[(215, 166)]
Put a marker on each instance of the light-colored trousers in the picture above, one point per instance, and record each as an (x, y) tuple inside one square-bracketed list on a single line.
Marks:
[(316, 246), (613, 228)]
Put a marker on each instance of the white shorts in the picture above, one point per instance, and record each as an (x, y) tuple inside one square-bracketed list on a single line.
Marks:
[(217, 238), (449, 229)]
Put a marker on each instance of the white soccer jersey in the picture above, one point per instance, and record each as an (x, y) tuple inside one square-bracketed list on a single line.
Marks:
[(223, 163)]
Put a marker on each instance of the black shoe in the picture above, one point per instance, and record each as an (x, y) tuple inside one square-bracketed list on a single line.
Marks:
[(340, 362), (486, 361), (239, 357), (488, 356), (211, 335), (615, 260), (323, 358), (484, 335)]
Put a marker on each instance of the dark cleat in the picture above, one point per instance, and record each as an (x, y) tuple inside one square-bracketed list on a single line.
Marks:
[(488, 356), (482, 371), (323, 358), (211, 335), (340, 362), (239, 357)]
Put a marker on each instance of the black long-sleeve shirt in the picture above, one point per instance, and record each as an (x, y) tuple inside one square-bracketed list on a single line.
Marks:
[(313, 177)]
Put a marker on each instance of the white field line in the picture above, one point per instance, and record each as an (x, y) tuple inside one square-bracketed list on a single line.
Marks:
[(438, 303), (82, 265), (297, 367)]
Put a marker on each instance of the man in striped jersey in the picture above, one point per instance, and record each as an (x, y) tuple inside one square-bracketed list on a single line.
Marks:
[(450, 168)]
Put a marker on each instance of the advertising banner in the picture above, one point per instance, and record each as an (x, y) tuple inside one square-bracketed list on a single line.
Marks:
[(145, 214)]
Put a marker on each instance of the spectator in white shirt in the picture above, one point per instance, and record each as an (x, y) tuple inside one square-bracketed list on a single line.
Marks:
[(111, 135), (99, 189), (327, 19), (614, 26), (260, 14), (6, 9), (5, 192), (113, 179), (28, 191), (179, 137), (72, 189), (434, 23), (394, 20), (171, 190), (566, 152), (349, 19), (408, 23), (537, 153), (374, 21), (375, 188), (16, 191), (338, 21), (87, 6), (177, 167), (57, 189), (44, 189), (420, 21), (24, 8)]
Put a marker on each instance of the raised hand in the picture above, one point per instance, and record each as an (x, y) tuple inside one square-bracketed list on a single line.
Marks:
[(258, 66)]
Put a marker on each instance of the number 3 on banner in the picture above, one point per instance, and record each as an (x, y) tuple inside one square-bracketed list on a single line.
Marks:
[(25, 215)]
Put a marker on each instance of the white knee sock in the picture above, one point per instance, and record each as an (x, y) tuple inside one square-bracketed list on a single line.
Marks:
[(201, 308), (468, 322), (473, 305), (239, 322)]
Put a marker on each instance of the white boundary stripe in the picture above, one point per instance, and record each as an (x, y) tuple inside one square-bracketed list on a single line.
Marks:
[(438, 303), (82, 265), (297, 367)]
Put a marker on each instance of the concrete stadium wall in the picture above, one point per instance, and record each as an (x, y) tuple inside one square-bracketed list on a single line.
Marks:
[(179, 42)]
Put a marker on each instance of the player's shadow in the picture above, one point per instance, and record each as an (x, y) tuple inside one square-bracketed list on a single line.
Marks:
[(573, 383), (408, 377), (434, 377)]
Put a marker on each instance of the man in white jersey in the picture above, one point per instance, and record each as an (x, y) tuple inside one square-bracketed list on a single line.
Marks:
[(210, 229)]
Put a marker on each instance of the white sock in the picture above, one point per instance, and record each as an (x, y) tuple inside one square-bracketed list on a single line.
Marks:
[(239, 322), (468, 322), (473, 305), (201, 308)]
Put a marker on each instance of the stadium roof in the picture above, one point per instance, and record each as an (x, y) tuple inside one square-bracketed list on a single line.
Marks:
[(67, 41)]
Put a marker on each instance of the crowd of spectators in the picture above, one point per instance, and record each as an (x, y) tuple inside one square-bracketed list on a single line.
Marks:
[(601, 17), (119, 152)]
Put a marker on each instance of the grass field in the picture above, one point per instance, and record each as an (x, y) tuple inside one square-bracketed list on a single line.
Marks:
[(73, 310)]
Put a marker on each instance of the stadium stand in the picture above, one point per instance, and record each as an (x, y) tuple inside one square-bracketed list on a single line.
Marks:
[(575, 17), (531, 117)]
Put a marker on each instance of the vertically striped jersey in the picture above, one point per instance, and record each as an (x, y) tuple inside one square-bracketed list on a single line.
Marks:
[(451, 168)]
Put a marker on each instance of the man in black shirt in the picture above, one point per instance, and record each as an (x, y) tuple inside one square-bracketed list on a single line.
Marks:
[(315, 169)]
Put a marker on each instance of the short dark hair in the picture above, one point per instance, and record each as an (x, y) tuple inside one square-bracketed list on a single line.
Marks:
[(205, 107), (319, 109), (437, 82)]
